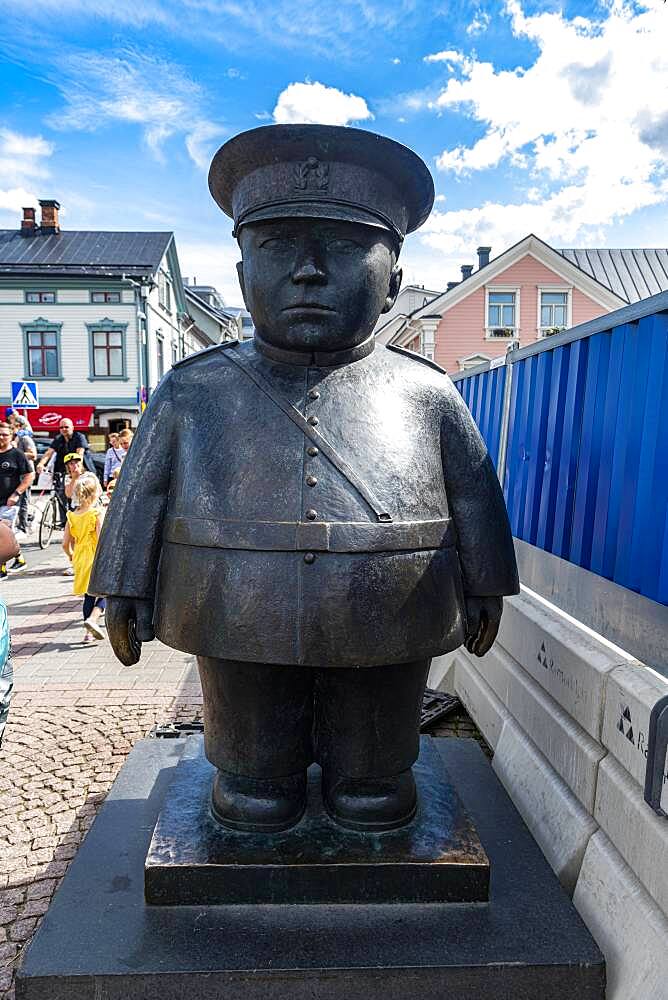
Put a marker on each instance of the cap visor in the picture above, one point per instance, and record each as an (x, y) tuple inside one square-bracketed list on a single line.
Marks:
[(315, 210)]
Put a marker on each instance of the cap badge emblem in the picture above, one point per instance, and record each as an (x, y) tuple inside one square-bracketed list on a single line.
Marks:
[(311, 172)]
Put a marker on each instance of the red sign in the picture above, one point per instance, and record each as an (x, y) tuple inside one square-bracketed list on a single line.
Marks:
[(47, 418)]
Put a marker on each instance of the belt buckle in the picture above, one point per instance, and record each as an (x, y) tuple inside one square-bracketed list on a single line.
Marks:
[(312, 535)]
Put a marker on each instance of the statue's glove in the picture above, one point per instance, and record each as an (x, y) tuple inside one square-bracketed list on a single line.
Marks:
[(129, 623), (483, 616)]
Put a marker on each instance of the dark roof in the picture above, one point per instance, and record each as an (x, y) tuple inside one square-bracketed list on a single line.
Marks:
[(90, 253), (216, 312), (631, 274)]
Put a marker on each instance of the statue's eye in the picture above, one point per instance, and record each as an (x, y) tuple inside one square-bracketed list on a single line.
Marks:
[(280, 244), (342, 246)]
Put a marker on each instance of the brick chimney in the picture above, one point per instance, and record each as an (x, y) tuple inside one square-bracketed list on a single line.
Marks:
[(483, 256), (467, 270), (28, 224), (49, 223), (450, 285)]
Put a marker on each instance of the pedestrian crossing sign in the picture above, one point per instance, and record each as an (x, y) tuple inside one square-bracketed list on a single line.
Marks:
[(25, 395)]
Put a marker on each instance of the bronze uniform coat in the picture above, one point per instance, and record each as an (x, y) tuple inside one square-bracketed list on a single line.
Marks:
[(254, 548)]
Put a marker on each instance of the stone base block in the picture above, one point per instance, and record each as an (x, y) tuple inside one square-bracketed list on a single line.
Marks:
[(559, 823), (441, 673), (631, 693), (563, 657), (100, 940), (568, 748), (640, 836), (479, 700), (194, 860), (628, 926)]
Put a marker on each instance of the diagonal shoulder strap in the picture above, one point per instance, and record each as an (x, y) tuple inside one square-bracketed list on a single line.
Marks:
[(310, 432)]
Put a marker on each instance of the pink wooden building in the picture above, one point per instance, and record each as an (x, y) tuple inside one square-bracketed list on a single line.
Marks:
[(528, 292)]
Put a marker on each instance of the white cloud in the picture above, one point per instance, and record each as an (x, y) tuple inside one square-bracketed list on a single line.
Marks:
[(396, 61), (202, 143), (23, 162), (586, 123), (314, 103), (302, 25), (137, 88), (213, 264), (479, 24)]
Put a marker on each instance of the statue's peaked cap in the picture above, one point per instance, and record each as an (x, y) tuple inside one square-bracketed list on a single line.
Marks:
[(321, 171)]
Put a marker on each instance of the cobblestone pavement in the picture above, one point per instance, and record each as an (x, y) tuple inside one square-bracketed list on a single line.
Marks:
[(75, 715)]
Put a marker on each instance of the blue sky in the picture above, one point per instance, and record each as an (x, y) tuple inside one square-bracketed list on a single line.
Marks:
[(532, 116)]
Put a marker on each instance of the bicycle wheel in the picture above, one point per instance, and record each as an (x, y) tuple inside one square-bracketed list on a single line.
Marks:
[(48, 523)]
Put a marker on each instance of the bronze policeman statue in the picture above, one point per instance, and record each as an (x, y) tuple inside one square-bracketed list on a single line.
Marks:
[(315, 516)]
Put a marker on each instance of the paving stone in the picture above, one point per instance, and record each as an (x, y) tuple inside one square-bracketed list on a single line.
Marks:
[(568, 748), (559, 823), (479, 700), (626, 923), (565, 658), (631, 693), (640, 836)]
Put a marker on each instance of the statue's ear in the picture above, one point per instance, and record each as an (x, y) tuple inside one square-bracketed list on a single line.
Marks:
[(240, 276), (393, 290)]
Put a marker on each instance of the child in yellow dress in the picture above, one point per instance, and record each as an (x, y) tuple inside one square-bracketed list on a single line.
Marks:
[(80, 542)]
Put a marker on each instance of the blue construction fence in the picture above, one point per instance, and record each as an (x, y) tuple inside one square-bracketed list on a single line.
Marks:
[(577, 426)]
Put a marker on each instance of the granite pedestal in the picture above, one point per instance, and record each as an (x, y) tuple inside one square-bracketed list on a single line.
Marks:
[(101, 941), (194, 860)]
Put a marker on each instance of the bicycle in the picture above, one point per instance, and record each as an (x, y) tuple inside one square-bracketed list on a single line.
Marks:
[(48, 521), (53, 514)]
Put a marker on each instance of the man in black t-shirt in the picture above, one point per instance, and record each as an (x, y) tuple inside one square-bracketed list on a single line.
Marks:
[(67, 441), (16, 476)]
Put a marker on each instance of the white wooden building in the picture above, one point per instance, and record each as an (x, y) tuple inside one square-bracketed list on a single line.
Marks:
[(96, 318)]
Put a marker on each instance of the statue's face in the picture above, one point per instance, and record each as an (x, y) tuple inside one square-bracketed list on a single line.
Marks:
[(316, 284)]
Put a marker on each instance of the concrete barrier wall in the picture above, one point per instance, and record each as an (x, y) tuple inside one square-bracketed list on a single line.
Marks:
[(567, 715)]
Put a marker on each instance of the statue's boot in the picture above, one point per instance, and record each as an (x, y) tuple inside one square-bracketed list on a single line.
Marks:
[(370, 805), (258, 805)]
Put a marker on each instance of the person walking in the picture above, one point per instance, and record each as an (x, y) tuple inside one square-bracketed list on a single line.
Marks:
[(16, 476), (24, 442), (113, 459), (80, 543)]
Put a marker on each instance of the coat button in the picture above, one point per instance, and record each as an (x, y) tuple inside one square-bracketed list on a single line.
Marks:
[(311, 515), (313, 421), (309, 558), (311, 481), (313, 394), (313, 451)]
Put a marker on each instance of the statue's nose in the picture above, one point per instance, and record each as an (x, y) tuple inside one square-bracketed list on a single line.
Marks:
[(307, 271)]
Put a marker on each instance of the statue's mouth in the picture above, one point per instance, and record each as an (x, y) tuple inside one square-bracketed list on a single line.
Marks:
[(308, 307)]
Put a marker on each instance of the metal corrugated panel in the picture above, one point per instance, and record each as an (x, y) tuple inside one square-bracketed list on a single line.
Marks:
[(587, 467), (81, 252), (631, 274), (483, 394)]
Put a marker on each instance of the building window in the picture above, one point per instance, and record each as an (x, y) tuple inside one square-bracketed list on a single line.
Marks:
[(106, 348), (161, 357), (501, 314), (164, 292), (106, 297), (175, 352), (472, 361), (40, 298), (553, 312), (43, 354)]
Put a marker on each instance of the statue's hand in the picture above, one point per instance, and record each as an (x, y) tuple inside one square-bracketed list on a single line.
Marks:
[(483, 616), (129, 623)]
